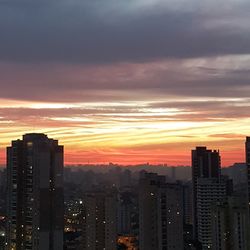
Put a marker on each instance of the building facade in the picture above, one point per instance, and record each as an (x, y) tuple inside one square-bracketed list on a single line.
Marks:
[(209, 191), (205, 164), (35, 194), (100, 220), (248, 167), (247, 152), (160, 213), (229, 224)]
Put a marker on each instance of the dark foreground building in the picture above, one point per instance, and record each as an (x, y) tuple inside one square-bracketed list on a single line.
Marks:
[(35, 194), (248, 167)]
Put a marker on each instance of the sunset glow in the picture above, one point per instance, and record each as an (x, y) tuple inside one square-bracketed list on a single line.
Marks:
[(127, 81), (128, 132)]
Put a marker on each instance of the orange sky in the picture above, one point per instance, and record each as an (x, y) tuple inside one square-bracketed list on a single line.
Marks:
[(126, 132)]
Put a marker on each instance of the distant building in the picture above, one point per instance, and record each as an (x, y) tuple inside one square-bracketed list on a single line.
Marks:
[(100, 220), (187, 203), (187, 215), (205, 164), (229, 224), (236, 172), (127, 213), (35, 194), (209, 191), (173, 174), (160, 213), (125, 178)]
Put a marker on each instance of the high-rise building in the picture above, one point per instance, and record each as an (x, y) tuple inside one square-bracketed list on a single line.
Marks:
[(187, 203), (247, 152), (205, 164), (209, 191), (100, 220), (248, 167), (160, 213), (35, 194), (229, 224), (127, 211)]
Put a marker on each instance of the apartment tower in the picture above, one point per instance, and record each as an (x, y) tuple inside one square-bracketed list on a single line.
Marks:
[(205, 164), (160, 213), (35, 194)]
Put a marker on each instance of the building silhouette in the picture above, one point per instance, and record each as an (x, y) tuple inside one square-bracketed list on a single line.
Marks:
[(247, 150), (229, 224), (205, 164), (35, 194), (209, 191), (160, 213), (247, 153)]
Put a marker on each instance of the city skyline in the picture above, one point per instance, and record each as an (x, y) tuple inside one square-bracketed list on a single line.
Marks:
[(121, 80), (124, 125), (48, 206), (129, 162)]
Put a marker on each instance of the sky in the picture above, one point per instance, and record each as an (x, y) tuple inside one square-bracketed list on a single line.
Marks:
[(127, 82)]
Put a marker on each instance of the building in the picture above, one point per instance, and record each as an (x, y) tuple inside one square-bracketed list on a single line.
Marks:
[(35, 194), (247, 152), (229, 224), (187, 203), (160, 213), (236, 172), (205, 164), (187, 214), (127, 213), (248, 167), (100, 220), (209, 191)]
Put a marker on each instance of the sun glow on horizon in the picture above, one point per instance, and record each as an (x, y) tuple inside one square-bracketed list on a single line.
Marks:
[(125, 132)]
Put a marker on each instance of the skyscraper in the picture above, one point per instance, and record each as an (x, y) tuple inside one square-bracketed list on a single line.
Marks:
[(205, 164), (248, 167), (35, 194), (160, 213), (247, 151)]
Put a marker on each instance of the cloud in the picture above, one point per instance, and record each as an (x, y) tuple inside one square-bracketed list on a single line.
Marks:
[(94, 31), (226, 76)]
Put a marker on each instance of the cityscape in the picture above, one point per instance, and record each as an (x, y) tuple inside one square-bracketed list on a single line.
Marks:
[(124, 125), (46, 205)]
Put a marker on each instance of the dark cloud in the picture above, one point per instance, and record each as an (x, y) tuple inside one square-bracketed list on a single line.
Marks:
[(227, 77), (116, 50), (94, 31)]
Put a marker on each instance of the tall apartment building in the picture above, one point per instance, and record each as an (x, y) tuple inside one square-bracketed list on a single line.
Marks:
[(160, 213), (127, 213), (209, 191), (229, 224), (35, 194), (187, 203), (205, 164), (247, 150), (100, 220)]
